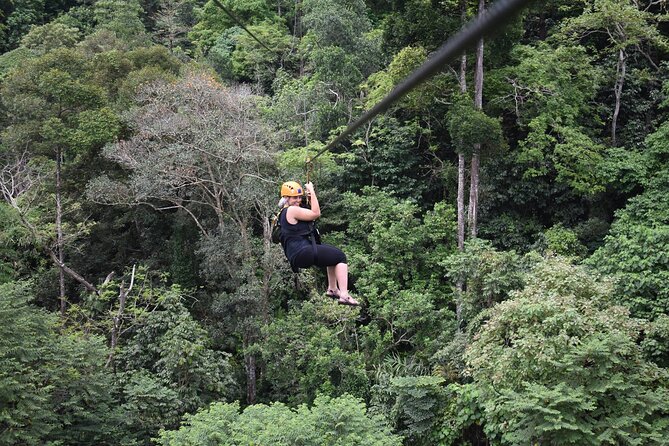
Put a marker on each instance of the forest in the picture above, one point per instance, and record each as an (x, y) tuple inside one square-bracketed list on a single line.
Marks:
[(506, 224)]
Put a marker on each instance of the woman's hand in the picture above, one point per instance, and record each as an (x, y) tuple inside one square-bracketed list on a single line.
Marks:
[(309, 187)]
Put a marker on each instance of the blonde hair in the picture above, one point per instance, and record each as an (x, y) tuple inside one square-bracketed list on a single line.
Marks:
[(282, 203)]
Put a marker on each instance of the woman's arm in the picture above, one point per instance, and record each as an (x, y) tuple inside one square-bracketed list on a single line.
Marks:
[(295, 213)]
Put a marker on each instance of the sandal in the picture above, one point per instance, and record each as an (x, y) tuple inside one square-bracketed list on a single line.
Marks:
[(348, 300), (332, 294)]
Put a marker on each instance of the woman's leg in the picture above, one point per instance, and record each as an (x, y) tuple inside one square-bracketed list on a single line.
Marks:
[(335, 261), (332, 281), (341, 272)]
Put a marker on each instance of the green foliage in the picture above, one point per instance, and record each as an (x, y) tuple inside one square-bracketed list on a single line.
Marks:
[(388, 158), (655, 343), (54, 387), (388, 238), (329, 422), (302, 109), (559, 364), (291, 162), (417, 22), (212, 21), (177, 351), (553, 90), (461, 418), (14, 58), (341, 51), (16, 250), (153, 404), (80, 17), (332, 24), (164, 359), (252, 62), (635, 250), (469, 126), (556, 364), (624, 25), (21, 15), (509, 231), (310, 351), (403, 63), (625, 169), (488, 275), (635, 253), (411, 403), (564, 242), (46, 96), (219, 54), (45, 38), (394, 257), (122, 17), (26, 416)]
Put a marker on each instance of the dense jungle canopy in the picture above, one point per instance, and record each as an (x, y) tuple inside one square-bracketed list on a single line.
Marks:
[(506, 224)]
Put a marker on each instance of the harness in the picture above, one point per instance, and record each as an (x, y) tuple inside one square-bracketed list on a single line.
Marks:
[(311, 233)]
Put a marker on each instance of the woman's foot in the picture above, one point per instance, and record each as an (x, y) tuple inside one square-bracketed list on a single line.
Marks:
[(332, 294), (347, 300)]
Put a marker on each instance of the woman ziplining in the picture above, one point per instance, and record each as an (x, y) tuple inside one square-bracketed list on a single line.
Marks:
[(296, 223), (298, 239)]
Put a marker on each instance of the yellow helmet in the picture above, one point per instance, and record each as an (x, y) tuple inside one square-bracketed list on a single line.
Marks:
[(291, 189)]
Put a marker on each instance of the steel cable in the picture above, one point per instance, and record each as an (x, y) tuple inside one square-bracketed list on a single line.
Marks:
[(484, 25), (239, 22)]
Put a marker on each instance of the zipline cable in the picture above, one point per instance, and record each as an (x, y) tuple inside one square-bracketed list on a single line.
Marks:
[(239, 22), (498, 14)]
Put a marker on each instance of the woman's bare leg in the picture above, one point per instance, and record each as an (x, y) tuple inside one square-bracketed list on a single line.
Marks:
[(341, 272), (332, 280)]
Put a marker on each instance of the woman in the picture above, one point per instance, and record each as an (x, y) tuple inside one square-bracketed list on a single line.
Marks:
[(296, 224)]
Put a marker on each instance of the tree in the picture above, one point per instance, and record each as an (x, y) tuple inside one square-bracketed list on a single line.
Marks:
[(311, 351), (54, 387), (163, 360), (558, 363), (395, 258), (626, 27), (488, 276), (212, 21), (252, 62), (460, 200), (329, 422), (551, 91), (170, 25), (201, 148), (340, 53), (635, 250), (60, 114), (166, 363), (45, 38), (412, 401), (18, 17), (122, 17), (387, 157), (411, 23), (472, 210)]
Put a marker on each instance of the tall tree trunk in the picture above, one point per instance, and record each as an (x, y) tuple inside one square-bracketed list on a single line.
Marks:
[(461, 201), (621, 69), (460, 285), (250, 362), (118, 319), (59, 230), (476, 154), (461, 156), (297, 32)]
